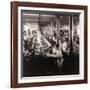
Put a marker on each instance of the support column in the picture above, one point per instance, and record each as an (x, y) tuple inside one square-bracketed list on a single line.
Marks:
[(71, 23), (57, 28)]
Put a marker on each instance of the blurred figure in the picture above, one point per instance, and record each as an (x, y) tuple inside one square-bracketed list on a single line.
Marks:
[(65, 46)]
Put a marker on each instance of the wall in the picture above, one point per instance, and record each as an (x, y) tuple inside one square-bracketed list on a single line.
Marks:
[(5, 46)]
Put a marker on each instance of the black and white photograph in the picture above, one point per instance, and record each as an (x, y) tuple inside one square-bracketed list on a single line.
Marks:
[(50, 43)]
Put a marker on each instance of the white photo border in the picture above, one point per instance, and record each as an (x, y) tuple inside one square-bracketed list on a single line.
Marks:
[(51, 78)]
